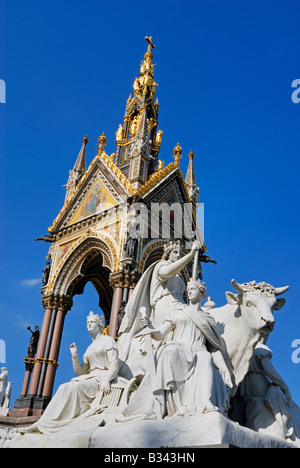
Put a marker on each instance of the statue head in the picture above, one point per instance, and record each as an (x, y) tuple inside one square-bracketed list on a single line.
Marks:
[(94, 319), (172, 251), (196, 291)]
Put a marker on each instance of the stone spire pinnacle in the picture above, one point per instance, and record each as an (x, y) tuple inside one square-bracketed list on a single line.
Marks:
[(78, 170), (190, 179), (81, 159)]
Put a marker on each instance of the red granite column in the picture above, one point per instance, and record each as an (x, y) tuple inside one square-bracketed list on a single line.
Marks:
[(117, 301), (117, 283), (26, 383), (135, 276), (40, 352), (130, 293), (54, 352)]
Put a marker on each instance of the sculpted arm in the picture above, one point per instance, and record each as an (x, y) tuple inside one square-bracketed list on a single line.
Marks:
[(79, 369), (113, 368), (273, 375), (220, 363), (168, 271), (161, 332)]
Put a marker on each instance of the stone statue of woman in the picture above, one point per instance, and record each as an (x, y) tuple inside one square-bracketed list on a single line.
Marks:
[(191, 373), (3, 383), (160, 290), (74, 398)]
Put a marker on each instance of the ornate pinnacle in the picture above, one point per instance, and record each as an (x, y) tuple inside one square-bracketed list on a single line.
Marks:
[(191, 156), (177, 155), (150, 44), (102, 142), (85, 140)]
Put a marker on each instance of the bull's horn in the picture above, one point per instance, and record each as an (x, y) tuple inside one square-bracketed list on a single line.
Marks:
[(279, 291), (238, 287)]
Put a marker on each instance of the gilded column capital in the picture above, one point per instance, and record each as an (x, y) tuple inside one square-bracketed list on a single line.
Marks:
[(135, 277), (116, 279), (54, 301)]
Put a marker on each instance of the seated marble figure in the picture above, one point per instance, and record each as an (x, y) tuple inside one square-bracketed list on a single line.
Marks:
[(98, 370), (191, 373)]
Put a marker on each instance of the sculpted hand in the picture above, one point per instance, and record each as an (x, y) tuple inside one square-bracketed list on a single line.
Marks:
[(144, 322), (196, 247), (146, 331), (105, 387), (73, 349)]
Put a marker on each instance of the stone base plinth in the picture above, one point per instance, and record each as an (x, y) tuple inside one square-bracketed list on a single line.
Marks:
[(27, 406), (193, 432)]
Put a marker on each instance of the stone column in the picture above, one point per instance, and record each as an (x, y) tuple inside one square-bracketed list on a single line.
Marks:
[(52, 365), (23, 406), (134, 279), (123, 283), (46, 353), (26, 383), (117, 283), (41, 349)]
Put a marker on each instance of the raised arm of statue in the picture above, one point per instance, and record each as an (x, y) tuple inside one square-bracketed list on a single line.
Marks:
[(177, 264), (79, 369)]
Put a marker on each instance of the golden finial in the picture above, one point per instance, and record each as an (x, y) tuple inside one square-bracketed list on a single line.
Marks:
[(158, 137), (177, 154), (102, 142), (85, 140), (150, 44), (119, 133), (191, 155), (147, 65), (161, 164)]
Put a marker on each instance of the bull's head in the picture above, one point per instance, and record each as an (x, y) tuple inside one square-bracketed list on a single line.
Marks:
[(257, 302)]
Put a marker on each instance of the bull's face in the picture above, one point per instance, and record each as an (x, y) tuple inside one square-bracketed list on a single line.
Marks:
[(257, 311), (257, 303)]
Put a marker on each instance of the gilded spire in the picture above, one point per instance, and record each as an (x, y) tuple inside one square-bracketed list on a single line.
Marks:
[(145, 84), (102, 142), (148, 55), (177, 154), (141, 115)]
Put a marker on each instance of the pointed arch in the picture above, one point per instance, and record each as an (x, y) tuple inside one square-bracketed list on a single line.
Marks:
[(91, 259), (74, 263)]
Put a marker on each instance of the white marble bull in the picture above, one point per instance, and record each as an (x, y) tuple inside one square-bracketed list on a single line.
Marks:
[(243, 321)]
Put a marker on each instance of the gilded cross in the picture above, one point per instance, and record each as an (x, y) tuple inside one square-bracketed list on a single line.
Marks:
[(150, 43)]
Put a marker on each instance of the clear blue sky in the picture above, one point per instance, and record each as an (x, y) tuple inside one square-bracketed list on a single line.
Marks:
[(224, 70)]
